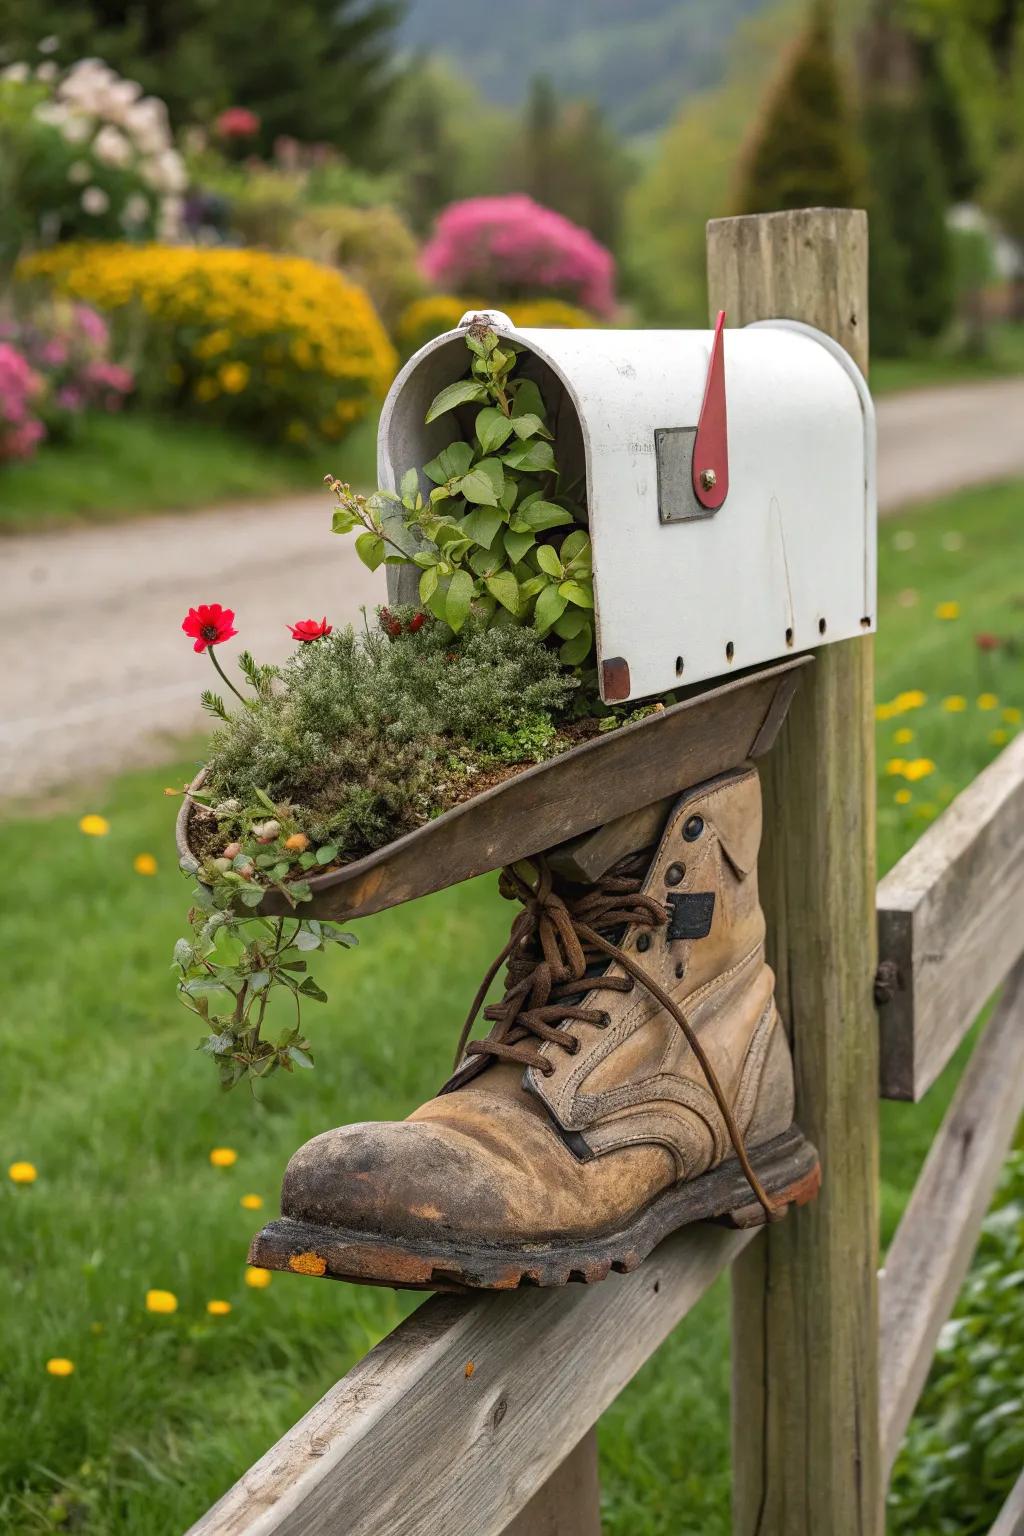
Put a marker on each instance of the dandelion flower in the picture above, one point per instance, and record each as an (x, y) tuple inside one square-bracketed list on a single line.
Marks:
[(258, 1279), (914, 698), (59, 1366), (903, 736), (94, 826), (999, 737), (218, 1308), (251, 1202), (1012, 715), (918, 768), (955, 704), (895, 766), (948, 610), (223, 1157), (886, 711), (903, 797), (988, 701), (22, 1173), (161, 1301), (144, 864)]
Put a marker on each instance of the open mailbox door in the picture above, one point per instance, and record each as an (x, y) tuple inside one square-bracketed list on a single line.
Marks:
[(730, 487)]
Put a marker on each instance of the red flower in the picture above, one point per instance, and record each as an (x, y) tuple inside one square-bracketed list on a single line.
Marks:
[(987, 642), (417, 622), (208, 625), (389, 624), (308, 629), (237, 123)]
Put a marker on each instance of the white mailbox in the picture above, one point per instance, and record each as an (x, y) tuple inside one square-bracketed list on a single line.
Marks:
[(730, 486)]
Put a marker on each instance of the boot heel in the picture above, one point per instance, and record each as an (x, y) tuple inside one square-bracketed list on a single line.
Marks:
[(801, 1192)]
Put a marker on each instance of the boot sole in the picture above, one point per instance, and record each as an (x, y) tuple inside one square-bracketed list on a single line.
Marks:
[(787, 1166)]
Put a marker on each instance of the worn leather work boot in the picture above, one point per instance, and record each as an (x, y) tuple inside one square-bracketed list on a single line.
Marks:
[(636, 1077)]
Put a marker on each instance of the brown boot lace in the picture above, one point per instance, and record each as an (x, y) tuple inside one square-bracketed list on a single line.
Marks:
[(553, 943)]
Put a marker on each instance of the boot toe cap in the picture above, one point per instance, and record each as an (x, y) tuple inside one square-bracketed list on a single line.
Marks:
[(401, 1179)]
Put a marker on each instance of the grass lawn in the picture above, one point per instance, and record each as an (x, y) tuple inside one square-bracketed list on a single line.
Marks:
[(106, 1097), (941, 366), (121, 466)]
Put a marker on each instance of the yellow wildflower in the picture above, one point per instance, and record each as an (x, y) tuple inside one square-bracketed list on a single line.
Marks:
[(233, 377), (1012, 715), (94, 826), (59, 1366), (258, 1279), (999, 737), (955, 704), (218, 1308), (161, 1301), (22, 1173), (223, 1157), (251, 1202), (886, 711), (895, 766), (949, 610), (903, 797), (903, 736), (912, 699), (144, 864), (988, 701), (211, 344), (918, 768)]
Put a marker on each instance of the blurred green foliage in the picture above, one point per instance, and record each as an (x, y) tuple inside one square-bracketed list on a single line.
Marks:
[(313, 69)]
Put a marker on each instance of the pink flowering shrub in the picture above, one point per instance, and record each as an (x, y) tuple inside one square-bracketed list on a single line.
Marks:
[(20, 428), (511, 247), (54, 364)]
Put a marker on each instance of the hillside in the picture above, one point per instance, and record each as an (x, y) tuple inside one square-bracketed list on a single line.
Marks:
[(637, 58)]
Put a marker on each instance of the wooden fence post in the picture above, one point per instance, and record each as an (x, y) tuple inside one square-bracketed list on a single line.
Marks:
[(805, 1294)]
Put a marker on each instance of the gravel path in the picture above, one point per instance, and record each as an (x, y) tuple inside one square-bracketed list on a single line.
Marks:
[(98, 677)]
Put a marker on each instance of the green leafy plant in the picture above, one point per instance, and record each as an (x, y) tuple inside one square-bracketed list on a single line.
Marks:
[(484, 537), (353, 741), (965, 1445)]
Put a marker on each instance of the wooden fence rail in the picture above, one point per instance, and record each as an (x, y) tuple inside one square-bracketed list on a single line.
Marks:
[(477, 1414)]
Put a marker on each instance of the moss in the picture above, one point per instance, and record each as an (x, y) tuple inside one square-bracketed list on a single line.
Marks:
[(368, 736)]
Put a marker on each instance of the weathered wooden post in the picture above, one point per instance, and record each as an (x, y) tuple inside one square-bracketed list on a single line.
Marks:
[(805, 1302)]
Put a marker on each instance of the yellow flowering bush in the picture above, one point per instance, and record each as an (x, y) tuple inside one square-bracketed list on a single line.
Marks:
[(269, 343), (426, 318)]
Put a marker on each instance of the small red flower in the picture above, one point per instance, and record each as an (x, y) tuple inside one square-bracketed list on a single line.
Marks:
[(389, 624), (208, 625), (308, 629), (987, 641), (417, 622)]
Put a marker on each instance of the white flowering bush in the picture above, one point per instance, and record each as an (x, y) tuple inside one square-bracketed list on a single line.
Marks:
[(84, 155)]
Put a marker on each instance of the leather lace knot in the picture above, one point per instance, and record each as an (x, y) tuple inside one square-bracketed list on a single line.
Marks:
[(557, 953)]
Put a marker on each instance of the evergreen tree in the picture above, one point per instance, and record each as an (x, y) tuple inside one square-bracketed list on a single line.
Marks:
[(908, 184), (803, 151), (314, 69), (909, 188), (573, 162)]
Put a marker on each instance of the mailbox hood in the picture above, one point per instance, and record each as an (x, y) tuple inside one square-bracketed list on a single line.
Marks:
[(684, 592)]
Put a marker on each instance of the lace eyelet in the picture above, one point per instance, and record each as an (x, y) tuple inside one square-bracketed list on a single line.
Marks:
[(643, 943)]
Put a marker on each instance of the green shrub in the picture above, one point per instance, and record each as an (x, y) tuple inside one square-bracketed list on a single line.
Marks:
[(965, 1446), (373, 246)]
